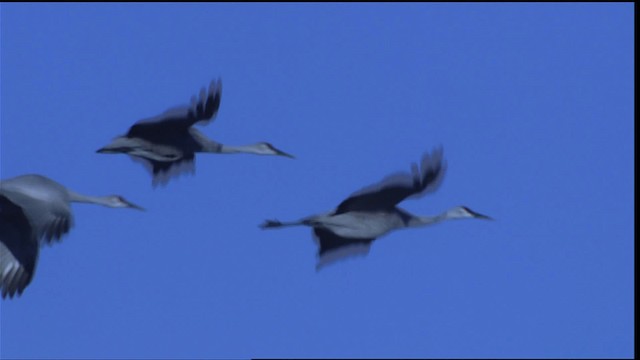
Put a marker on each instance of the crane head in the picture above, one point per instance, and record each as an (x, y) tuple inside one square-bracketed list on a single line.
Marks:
[(462, 212), (117, 201), (265, 148)]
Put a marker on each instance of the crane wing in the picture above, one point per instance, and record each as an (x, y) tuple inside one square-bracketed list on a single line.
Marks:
[(45, 204), (163, 171), (333, 247), (18, 249), (202, 109), (397, 187)]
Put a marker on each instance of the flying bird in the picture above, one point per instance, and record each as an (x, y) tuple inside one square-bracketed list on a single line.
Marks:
[(372, 212), (166, 144), (35, 210), (18, 248)]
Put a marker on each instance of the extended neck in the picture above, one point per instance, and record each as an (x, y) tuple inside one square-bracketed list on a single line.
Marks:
[(459, 212), (239, 149), (100, 200), (417, 221)]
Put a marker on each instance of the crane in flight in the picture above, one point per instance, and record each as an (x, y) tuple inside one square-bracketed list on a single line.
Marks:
[(166, 144), (372, 212), (35, 210)]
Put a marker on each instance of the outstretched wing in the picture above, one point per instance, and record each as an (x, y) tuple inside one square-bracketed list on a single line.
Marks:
[(44, 202), (397, 187), (333, 247), (179, 119), (163, 171), (18, 249)]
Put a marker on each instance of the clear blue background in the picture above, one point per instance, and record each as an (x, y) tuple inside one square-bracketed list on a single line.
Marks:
[(533, 104)]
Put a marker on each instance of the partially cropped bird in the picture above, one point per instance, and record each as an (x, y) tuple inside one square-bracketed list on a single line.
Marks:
[(372, 212), (166, 144), (35, 210)]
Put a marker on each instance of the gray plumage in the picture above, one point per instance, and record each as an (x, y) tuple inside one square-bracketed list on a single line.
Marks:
[(35, 210), (166, 144), (372, 212), (18, 248)]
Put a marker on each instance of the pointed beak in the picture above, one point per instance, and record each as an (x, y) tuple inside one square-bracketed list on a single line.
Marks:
[(481, 216), (134, 206), (282, 153)]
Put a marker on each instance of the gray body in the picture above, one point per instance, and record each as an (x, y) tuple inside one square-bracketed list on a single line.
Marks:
[(166, 144), (372, 212), (359, 224), (35, 210)]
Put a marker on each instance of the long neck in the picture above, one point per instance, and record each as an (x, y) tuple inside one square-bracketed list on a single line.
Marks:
[(100, 200), (417, 221), (230, 149)]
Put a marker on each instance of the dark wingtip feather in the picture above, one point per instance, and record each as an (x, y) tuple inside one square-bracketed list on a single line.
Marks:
[(433, 167)]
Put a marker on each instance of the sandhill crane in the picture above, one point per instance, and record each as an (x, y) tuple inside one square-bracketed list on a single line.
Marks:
[(35, 210), (18, 248), (372, 212), (166, 144)]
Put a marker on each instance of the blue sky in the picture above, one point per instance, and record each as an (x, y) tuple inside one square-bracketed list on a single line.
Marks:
[(532, 103)]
